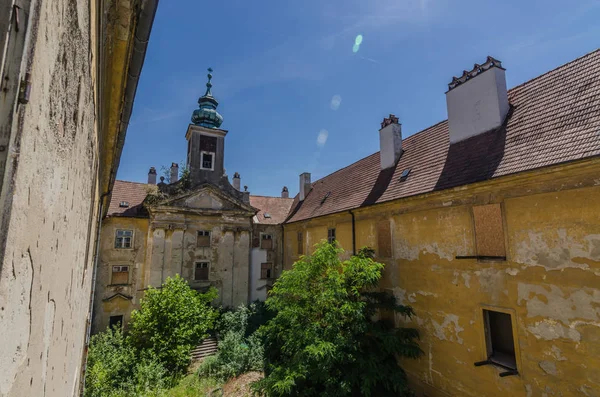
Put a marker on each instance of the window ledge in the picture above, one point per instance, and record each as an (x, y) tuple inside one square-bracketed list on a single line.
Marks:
[(482, 257), (508, 371), (119, 285)]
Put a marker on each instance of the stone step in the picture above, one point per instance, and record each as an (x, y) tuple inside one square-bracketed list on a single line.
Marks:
[(208, 347)]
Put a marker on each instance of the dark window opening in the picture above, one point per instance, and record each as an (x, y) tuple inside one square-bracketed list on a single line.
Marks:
[(266, 242), (201, 271), (331, 235), (207, 161), (208, 143), (123, 238), (203, 239), (300, 244), (115, 321), (499, 338), (266, 270)]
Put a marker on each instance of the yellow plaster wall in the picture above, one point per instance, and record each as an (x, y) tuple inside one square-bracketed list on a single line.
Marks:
[(550, 284)]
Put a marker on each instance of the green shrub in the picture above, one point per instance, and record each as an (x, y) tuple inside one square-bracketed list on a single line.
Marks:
[(171, 321), (323, 340)]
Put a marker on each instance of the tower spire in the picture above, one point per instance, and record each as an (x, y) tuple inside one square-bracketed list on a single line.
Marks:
[(207, 115)]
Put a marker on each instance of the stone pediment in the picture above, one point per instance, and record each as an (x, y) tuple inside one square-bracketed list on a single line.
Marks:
[(207, 198)]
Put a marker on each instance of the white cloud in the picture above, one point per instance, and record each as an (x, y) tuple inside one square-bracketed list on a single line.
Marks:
[(322, 138), (336, 100)]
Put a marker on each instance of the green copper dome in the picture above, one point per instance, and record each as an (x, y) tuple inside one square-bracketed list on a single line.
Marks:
[(207, 115)]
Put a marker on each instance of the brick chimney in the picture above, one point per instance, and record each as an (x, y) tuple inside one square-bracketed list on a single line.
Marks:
[(304, 185), (152, 176), (285, 193), (236, 181), (174, 177), (390, 142), (477, 101)]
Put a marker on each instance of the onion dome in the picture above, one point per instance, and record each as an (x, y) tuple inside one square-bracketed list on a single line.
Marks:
[(207, 115)]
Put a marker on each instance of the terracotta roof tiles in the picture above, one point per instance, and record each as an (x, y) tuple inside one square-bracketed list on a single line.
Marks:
[(276, 209)]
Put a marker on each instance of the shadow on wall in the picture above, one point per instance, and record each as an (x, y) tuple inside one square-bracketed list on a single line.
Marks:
[(474, 159)]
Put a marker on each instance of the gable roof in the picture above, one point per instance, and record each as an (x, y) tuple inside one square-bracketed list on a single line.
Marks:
[(132, 192), (276, 207), (554, 118)]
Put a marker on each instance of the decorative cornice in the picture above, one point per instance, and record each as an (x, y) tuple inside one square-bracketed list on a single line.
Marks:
[(477, 69)]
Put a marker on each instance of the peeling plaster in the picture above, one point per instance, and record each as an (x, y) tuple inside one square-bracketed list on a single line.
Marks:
[(550, 330), (467, 278), (557, 353), (449, 324), (548, 367)]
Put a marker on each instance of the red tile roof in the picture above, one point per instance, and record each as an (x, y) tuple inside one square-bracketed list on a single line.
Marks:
[(131, 192), (277, 208), (554, 118)]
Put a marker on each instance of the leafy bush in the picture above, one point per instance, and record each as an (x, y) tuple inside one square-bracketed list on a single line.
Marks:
[(237, 352), (171, 321), (323, 340)]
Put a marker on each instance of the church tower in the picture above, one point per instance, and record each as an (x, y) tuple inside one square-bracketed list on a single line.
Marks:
[(206, 140)]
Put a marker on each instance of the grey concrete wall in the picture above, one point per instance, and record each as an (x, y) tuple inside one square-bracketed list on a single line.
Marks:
[(48, 201)]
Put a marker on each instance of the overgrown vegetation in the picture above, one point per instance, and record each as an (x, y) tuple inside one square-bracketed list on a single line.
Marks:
[(156, 352), (324, 340), (240, 349)]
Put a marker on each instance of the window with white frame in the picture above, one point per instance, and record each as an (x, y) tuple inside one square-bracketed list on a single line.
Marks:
[(120, 275), (201, 271), (266, 241), (124, 239), (207, 161)]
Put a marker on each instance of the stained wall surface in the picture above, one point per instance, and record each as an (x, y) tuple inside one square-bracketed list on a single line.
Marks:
[(549, 282)]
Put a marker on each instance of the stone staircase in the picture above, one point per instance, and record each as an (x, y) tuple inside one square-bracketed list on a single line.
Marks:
[(208, 347)]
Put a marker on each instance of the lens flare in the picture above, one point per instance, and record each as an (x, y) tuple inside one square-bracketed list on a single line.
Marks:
[(336, 100), (355, 48), (322, 137), (358, 40)]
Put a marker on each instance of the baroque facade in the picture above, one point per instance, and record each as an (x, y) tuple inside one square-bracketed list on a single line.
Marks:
[(488, 224)]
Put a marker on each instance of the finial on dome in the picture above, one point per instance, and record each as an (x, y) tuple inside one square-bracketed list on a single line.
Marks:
[(207, 115), (208, 83)]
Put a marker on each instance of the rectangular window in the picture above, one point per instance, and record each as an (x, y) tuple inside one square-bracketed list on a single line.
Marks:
[(201, 271), (208, 143), (203, 239), (266, 270), (331, 235), (499, 338), (300, 244), (120, 275), (207, 161), (384, 239), (489, 230), (124, 239), (266, 241), (115, 321)]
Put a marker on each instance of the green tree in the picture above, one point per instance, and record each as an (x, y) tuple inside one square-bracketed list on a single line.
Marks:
[(171, 321), (324, 339)]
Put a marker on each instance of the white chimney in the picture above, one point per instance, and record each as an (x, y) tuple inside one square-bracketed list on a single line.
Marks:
[(285, 193), (152, 176), (174, 177), (477, 101), (304, 185), (236, 181), (390, 142)]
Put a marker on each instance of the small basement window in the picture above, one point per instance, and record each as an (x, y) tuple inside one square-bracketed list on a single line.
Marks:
[(201, 271), (266, 270), (499, 339), (120, 275), (266, 241), (124, 239), (115, 321), (331, 235), (124, 204), (203, 239)]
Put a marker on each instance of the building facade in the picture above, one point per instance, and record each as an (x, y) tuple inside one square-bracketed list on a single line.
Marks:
[(69, 73), (200, 226), (489, 226)]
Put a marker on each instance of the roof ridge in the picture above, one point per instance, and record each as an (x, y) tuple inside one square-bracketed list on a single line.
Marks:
[(137, 183), (277, 197), (555, 69)]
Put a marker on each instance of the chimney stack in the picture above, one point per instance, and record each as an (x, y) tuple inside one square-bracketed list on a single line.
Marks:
[(285, 193), (152, 176), (174, 173), (236, 181), (304, 185), (390, 142), (477, 101)]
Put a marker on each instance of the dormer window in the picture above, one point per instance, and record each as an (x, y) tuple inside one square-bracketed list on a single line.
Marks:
[(124, 204), (208, 161)]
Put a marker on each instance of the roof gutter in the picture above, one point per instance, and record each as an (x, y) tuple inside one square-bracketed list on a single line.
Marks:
[(145, 19)]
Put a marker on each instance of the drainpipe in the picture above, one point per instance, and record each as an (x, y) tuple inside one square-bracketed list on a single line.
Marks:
[(232, 267), (353, 234), (282, 248)]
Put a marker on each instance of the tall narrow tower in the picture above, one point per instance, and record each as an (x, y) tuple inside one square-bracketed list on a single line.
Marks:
[(206, 141)]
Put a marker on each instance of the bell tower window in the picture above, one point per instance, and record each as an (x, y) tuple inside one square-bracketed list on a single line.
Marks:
[(208, 161)]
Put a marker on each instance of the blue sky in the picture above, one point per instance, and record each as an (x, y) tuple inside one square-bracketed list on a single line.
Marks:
[(296, 98)]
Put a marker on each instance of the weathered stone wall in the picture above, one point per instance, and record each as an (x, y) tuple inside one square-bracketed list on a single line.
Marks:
[(259, 286), (549, 282), (111, 299), (48, 208)]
